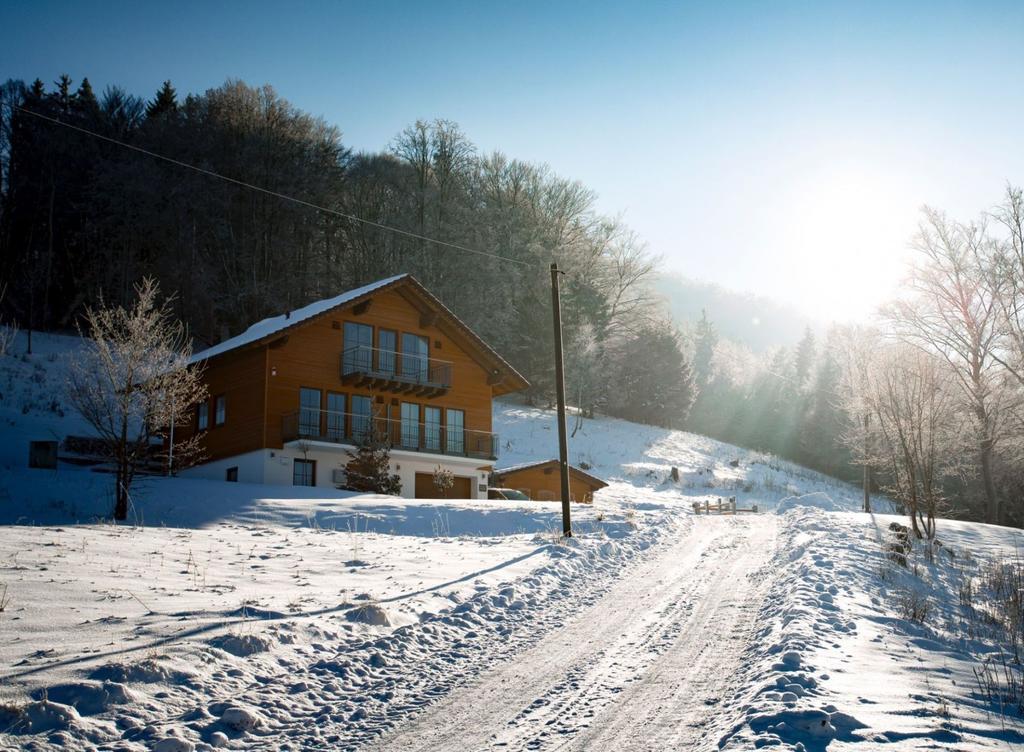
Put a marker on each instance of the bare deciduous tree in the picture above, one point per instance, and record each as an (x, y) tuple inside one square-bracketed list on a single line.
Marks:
[(8, 332), (954, 313), (134, 382), (1010, 266), (854, 350), (913, 401)]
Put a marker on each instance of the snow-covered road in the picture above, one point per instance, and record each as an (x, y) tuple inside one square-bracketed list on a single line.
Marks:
[(648, 666)]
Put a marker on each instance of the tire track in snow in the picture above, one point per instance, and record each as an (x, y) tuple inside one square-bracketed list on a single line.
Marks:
[(634, 671)]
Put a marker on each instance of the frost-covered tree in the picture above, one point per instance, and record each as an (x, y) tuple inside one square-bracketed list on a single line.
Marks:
[(953, 312), (132, 382), (444, 481), (914, 400), (855, 350), (705, 340)]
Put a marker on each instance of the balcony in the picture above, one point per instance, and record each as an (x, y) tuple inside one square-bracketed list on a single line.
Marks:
[(350, 428), (390, 371)]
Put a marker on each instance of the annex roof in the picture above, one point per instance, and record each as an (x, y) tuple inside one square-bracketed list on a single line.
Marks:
[(503, 471), (269, 328)]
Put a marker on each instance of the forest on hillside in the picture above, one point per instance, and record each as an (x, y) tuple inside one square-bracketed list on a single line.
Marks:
[(84, 219), (87, 211)]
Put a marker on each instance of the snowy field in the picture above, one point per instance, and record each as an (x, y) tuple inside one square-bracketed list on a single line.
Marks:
[(258, 617)]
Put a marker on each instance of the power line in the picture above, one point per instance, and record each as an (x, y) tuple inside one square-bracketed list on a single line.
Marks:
[(267, 191)]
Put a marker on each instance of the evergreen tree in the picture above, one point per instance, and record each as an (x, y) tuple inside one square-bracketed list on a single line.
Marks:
[(803, 360), (823, 420), (85, 100), (704, 350), (166, 101), (654, 383), (369, 467), (63, 94)]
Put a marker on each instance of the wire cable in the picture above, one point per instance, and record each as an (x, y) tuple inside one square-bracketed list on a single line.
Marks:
[(269, 192)]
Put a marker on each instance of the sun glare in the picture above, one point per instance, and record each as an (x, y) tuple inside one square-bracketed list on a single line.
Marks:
[(846, 239)]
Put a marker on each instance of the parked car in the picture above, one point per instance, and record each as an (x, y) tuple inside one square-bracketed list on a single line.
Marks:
[(506, 494)]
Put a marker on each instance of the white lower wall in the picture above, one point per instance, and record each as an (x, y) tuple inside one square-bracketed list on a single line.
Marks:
[(250, 466), (276, 466)]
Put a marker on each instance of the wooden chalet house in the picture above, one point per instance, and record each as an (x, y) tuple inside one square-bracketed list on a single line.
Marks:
[(290, 394)]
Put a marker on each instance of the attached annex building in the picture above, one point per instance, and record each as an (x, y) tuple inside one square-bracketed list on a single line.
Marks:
[(291, 394), (541, 481)]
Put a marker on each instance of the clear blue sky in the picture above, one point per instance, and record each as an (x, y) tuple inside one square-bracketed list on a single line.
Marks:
[(780, 148)]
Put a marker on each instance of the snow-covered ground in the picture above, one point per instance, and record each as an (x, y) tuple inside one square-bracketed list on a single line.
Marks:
[(256, 617), (854, 650)]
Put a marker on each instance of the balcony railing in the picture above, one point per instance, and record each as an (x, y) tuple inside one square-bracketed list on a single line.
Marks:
[(351, 428), (393, 371)]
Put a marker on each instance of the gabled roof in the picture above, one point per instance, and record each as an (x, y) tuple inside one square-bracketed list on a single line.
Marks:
[(502, 472), (275, 324), (273, 327)]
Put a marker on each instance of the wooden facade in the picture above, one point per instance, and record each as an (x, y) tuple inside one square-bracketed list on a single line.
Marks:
[(257, 388), (541, 481)]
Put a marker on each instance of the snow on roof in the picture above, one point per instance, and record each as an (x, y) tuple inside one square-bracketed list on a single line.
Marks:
[(527, 465), (274, 324)]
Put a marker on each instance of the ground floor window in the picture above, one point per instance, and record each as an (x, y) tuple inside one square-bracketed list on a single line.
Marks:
[(304, 473)]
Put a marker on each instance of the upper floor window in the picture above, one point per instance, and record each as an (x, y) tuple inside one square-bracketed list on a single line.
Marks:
[(358, 347), (203, 416), (309, 412), (410, 425), (415, 357), (220, 410), (432, 428), (455, 431), (387, 343), (335, 416), (362, 409)]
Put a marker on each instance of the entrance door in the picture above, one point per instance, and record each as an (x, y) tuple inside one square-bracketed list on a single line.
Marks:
[(425, 489)]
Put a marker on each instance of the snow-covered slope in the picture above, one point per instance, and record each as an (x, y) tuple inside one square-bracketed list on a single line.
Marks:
[(628, 455)]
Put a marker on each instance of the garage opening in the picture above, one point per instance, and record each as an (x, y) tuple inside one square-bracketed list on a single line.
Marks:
[(425, 489)]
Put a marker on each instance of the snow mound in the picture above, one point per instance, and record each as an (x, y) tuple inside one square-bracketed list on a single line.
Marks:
[(371, 614), (46, 715), (173, 744), (88, 697), (242, 645), (816, 500), (147, 671), (240, 719)]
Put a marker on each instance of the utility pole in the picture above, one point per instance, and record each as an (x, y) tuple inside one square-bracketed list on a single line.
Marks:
[(563, 441), (170, 448), (867, 468)]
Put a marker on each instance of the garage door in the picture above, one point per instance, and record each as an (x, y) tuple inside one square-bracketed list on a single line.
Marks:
[(425, 489)]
